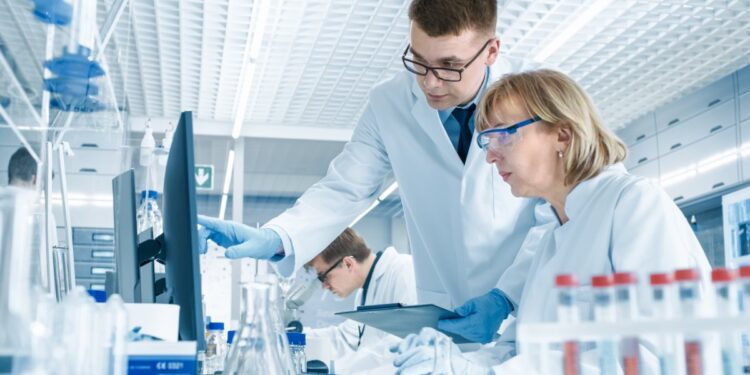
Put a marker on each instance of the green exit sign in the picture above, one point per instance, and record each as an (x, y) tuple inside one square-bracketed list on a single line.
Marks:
[(204, 177)]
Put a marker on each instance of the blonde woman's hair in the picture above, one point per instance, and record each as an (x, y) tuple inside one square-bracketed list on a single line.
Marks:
[(559, 102)]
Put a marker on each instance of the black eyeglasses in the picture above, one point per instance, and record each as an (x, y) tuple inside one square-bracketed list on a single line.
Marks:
[(445, 74), (323, 276)]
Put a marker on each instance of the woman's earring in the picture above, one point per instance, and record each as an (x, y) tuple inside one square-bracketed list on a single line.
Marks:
[(560, 154)]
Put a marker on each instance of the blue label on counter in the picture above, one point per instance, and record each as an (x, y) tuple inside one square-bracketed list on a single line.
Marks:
[(151, 365)]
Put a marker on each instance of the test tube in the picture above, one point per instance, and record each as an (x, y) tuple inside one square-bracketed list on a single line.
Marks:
[(669, 346), (687, 285), (744, 282), (567, 312), (627, 307), (604, 311), (727, 305)]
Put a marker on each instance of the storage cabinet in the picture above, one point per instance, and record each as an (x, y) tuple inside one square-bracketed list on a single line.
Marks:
[(695, 103), (641, 153), (638, 130), (719, 117)]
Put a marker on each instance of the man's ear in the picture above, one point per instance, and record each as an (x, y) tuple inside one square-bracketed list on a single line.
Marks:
[(349, 262)]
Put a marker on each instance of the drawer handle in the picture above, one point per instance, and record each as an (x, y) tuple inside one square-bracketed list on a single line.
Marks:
[(714, 102), (638, 138), (717, 185), (103, 237), (102, 254), (716, 128), (89, 145), (87, 170), (678, 198), (674, 121), (642, 160), (674, 146)]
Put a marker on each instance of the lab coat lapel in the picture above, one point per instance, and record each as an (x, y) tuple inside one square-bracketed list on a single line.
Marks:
[(429, 121)]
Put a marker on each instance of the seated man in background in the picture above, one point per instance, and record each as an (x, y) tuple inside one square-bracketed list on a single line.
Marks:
[(348, 265)]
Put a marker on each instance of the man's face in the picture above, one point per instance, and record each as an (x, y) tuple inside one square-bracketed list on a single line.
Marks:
[(339, 277), (451, 51)]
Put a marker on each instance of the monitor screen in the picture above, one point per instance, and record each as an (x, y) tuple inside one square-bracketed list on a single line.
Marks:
[(180, 242), (128, 277)]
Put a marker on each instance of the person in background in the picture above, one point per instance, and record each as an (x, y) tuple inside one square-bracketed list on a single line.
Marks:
[(543, 134), (465, 228), (22, 173), (346, 266)]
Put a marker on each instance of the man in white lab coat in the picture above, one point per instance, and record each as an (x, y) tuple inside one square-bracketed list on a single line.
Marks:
[(348, 265), (464, 226)]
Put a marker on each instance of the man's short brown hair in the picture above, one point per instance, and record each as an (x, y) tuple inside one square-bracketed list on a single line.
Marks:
[(348, 243), (452, 17)]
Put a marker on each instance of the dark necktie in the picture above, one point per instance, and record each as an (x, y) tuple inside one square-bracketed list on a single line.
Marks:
[(463, 116)]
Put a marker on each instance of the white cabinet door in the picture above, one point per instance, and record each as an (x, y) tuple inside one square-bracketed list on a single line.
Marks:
[(641, 153), (649, 170), (638, 130), (743, 75), (697, 102), (94, 160), (745, 106), (719, 117), (704, 166)]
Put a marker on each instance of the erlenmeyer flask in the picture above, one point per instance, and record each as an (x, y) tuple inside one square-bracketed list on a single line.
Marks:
[(256, 349), (276, 300)]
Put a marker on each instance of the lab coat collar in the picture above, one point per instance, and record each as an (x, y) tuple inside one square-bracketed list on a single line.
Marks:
[(577, 199)]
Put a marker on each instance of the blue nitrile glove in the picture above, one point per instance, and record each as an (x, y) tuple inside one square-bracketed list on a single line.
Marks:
[(432, 352), (481, 317), (238, 239)]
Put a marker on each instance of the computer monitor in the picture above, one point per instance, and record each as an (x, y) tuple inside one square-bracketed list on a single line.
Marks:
[(127, 275), (180, 241)]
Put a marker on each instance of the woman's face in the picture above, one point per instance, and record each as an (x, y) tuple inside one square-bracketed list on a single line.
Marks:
[(528, 159)]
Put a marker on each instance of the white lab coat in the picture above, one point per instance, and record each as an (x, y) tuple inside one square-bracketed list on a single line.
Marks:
[(617, 222), (392, 282), (464, 226)]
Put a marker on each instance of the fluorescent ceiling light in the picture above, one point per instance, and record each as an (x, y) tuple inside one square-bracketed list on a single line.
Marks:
[(223, 207), (258, 19), (573, 27)]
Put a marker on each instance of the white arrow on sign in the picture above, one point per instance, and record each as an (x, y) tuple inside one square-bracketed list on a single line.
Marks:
[(201, 177)]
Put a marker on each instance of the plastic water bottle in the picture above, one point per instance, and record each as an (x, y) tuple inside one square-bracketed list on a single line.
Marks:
[(297, 351), (627, 308), (604, 311), (148, 214), (669, 346), (567, 312), (216, 348), (727, 306), (148, 143)]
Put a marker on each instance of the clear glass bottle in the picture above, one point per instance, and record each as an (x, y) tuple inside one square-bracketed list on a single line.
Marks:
[(297, 351), (627, 310), (215, 348), (255, 349), (148, 214), (604, 311), (567, 312)]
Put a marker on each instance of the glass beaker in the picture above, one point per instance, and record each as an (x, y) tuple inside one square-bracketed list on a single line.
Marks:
[(255, 350)]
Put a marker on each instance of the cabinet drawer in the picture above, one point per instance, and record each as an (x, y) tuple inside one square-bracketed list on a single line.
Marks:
[(98, 139), (697, 102), (745, 106), (93, 160), (704, 166), (642, 152), (94, 236), (93, 270), (94, 254), (715, 120), (649, 170), (638, 130), (92, 284), (743, 75)]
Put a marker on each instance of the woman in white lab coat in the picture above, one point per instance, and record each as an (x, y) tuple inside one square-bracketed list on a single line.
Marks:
[(542, 133)]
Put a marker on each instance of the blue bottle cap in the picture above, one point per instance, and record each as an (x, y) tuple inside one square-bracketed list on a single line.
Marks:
[(100, 296), (230, 336), (296, 338), (216, 326)]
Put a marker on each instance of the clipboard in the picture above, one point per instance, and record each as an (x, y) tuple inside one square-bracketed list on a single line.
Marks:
[(400, 320)]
